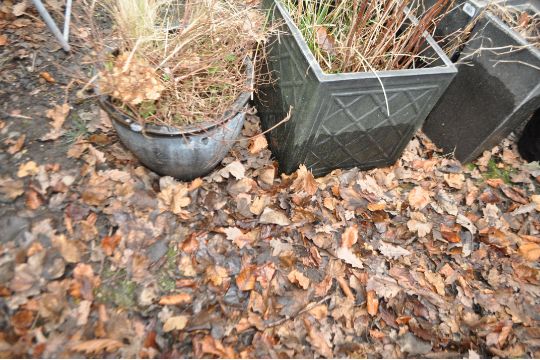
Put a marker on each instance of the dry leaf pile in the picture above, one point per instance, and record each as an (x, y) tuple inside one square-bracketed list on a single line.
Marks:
[(425, 258)]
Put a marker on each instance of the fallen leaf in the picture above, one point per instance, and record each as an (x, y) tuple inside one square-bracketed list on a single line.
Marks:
[(466, 223), (116, 175), (411, 345), (217, 275), (22, 319), (503, 335), (20, 8), (176, 299), (319, 312), (324, 40), (186, 266), (233, 233), (83, 311), (245, 280), (279, 247), (85, 283), (419, 198), (97, 346), (322, 288), (190, 244), (372, 302), (48, 77), (514, 194), (33, 200), (109, 243), (376, 206), (296, 277), (495, 183), (349, 257), (235, 169), (376, 334), (349, 236), (209, 345), (257, 144), (58, 115), (419, 224), (530, 251), (29, 168), (492, 339), (304, 181), (17, 146), (258, 204), (437, 281), (317, 340), (454, 180), (384, 286), (10, 188), (271, 216), (68, 249), (267, 175), (195, 184), (3, 40), (393, 252), (536, 200), (105, 123), (175, 323)]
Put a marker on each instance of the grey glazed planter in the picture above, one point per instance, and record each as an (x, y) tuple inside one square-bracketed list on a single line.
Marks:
[(494, 93), (187, 152), (340, 120)]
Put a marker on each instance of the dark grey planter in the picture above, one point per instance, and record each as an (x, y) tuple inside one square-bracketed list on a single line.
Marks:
[(494, 93), (459, 15), (184, 152), (341, 120)]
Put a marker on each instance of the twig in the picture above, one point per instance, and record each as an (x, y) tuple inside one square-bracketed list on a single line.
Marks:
[(285, 119), (300, 312)]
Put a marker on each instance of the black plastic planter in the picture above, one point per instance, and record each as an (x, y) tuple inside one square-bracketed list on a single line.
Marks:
[(495, 91), (341, 120)]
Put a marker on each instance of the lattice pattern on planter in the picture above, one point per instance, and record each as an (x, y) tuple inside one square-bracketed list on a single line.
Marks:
[(357, 128)]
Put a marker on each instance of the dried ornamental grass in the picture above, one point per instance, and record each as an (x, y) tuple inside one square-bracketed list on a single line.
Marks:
[(180, 64), (524, 22), (364, 35)]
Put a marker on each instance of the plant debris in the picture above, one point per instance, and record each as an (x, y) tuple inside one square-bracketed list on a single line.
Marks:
[(179, 63), (525, 22)]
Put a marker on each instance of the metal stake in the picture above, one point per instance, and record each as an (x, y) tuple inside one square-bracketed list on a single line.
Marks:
[(52, 25), (67, 19)]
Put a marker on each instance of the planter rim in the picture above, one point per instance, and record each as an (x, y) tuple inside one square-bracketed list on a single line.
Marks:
[(322, 76), (172, 131), (512, 33)]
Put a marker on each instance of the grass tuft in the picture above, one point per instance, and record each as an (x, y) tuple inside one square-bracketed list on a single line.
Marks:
[(365, 35)]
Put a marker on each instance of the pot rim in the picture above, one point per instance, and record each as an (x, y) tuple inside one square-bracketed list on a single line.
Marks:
[(172, 131)]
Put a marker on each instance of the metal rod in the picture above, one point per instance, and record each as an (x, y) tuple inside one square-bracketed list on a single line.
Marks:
[(51, 24), (67, 19)]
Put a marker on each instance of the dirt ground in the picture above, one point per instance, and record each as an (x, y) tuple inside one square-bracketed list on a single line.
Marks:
[(100, 257)]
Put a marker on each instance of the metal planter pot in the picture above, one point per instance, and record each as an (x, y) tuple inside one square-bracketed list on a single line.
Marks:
[(341, 120), (187, 152), (495, 91)]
